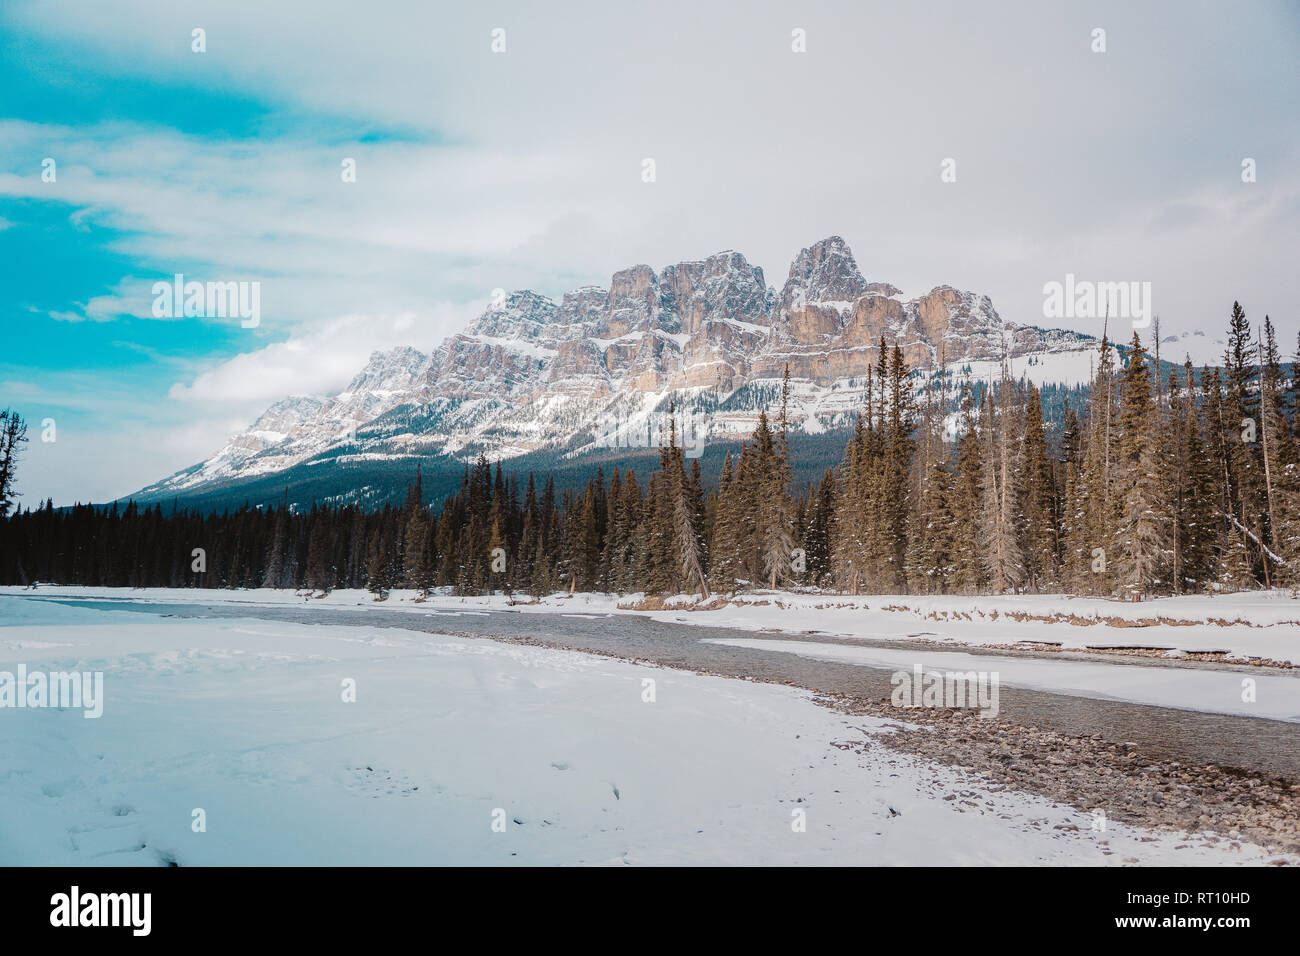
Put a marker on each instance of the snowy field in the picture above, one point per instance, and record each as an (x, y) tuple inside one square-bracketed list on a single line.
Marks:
[(246, 720), (1263, 625)]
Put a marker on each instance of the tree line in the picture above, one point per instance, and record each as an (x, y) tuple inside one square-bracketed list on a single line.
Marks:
[(1161, 484)]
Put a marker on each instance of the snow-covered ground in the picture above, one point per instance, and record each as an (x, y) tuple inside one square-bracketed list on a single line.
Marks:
[(1262, 624), (246, 720), (1249, 624), (1259, 625)]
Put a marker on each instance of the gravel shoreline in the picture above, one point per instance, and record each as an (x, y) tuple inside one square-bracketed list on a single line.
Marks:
[(1213, 803), (1091, 774)]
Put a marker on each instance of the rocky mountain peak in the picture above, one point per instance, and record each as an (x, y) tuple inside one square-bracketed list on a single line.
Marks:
[(388, 371), (723, 286), (282, 416), (524, 314), (824, 272), (582, 305), (529, 373), (633, 303)]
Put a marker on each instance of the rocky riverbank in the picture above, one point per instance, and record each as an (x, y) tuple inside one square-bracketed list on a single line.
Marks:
[(1207, 802), (1089, 773)]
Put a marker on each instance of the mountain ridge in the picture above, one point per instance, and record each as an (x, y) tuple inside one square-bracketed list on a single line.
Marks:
[(594, 369)]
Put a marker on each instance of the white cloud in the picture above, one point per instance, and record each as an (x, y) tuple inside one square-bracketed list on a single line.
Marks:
[(130, 296), (89, 463), (1123, 165), (531, 177), (317, 360)]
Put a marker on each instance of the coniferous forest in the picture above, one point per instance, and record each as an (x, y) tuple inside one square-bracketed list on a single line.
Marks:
[(1164, 484)]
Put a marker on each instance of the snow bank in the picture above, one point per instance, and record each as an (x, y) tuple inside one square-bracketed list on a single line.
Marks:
[(245, 719), (1259, 624)]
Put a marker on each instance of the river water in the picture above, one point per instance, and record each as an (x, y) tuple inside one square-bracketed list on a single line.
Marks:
[(1248, 743)]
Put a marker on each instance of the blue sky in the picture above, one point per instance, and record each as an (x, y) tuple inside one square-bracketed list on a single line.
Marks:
[(479, 170)]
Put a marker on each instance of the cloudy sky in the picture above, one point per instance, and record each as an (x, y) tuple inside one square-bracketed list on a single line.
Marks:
[(523, 169)]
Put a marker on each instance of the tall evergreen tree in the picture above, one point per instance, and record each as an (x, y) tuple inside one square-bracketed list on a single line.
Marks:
[(1141, 532), (1035, 494), (967, 556)]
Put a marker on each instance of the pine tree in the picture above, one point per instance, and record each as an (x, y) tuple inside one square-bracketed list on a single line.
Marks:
[(320, 569), (722, 544), (929, 544), (1201, 519), (1141, 531), (816, 538), (1233, 568), (1241, 410), (846, 523), (967, 555), (1036, 494), (656, 571), (586, 552), (1092, 510), (687, 548), (276, 560), (1004, 561), (899, 449), (773, 521), (417, 534), (1274, 431), (615, 535), (1189, 486), (377, 580), (525, 557), (628, 556), (1287, 490)]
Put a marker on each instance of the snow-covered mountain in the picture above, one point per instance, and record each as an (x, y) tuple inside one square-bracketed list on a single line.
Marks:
[(600, 367)]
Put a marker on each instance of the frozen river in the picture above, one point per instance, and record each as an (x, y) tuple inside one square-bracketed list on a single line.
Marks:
[(1190, 736)]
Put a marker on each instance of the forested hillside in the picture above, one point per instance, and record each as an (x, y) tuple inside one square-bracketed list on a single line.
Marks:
[(1150, 485)]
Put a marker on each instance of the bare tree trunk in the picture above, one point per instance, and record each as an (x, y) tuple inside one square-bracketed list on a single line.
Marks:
[(1268, 475)]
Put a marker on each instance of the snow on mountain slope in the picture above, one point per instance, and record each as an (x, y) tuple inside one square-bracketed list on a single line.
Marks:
[(299, 426), (1201, 347), (601, 366)]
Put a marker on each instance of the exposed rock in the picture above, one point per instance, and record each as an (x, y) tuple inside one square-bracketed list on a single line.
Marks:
[(530, 373)]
